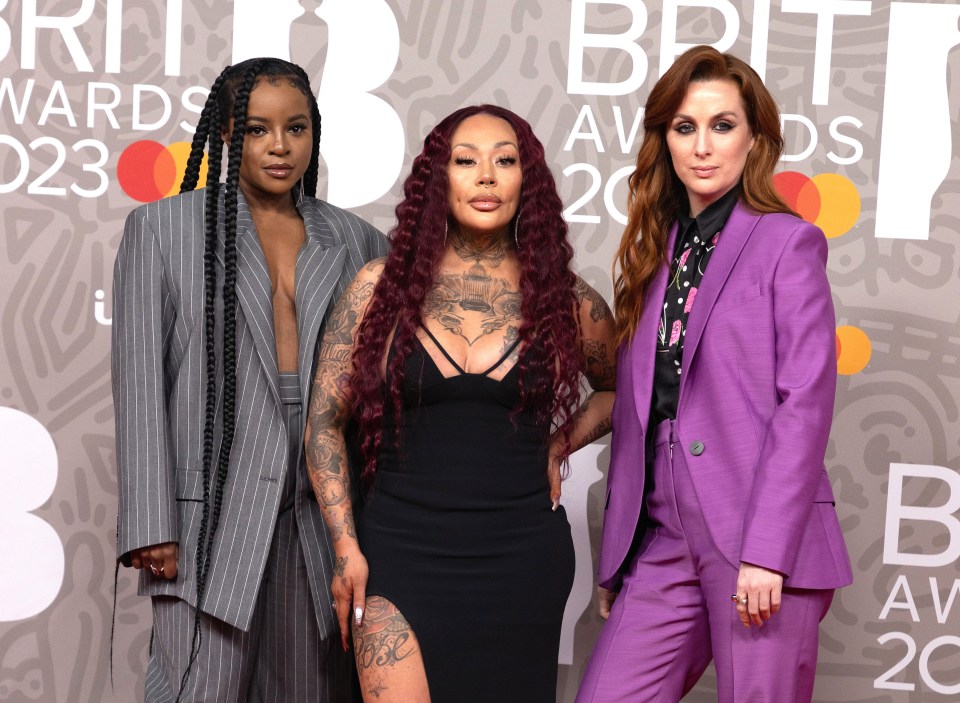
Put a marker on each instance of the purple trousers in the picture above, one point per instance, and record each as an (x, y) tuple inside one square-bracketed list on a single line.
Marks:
[(674, 613)]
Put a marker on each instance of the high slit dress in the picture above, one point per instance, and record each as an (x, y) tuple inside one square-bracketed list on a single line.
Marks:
[(459, 534)]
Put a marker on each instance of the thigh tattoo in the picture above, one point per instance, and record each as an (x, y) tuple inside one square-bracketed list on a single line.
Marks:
[(385, 638)]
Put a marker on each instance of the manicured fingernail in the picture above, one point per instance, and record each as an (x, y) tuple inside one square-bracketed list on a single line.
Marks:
[(358, 615), (556, 504)]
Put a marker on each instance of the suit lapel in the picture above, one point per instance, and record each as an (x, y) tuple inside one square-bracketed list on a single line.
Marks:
[(319, 265), (644, 342), (733, 237), (254, 292)]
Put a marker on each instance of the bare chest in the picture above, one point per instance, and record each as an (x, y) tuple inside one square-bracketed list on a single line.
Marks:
[(281, 240)]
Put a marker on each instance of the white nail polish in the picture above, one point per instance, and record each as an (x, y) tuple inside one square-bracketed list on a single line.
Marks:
[(358, 615)]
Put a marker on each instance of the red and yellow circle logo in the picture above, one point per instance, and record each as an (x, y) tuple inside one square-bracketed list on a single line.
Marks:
[(831, 202), (828, 200), (148, 170), (853, 350)]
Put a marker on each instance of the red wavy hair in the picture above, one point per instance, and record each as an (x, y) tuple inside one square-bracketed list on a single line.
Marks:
[(656, 192), (550, 357)]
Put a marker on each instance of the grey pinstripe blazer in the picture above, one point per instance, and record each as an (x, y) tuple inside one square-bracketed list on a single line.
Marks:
[(158, 366)]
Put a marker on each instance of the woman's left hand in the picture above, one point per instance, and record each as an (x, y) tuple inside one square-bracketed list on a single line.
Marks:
[(553, 475), (761, 588)]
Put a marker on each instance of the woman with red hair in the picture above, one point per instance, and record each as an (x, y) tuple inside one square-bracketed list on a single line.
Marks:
[(720, 537), (460, 355)]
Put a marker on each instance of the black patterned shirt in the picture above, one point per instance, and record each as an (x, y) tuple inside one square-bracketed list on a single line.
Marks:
[(696, 240)]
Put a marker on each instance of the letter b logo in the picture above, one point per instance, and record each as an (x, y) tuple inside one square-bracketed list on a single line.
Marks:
[(363, 142), (31, 548), (943, 515)]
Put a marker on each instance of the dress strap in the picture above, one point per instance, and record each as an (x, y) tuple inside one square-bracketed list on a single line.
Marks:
[(506, 355), (442, 350)]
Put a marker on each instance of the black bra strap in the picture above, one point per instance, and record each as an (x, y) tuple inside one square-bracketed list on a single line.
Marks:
[(442, 350), (506, 354)]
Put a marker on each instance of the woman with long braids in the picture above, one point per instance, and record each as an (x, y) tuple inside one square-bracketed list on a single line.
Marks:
[(219, 298), (720, 538), (461, 357)]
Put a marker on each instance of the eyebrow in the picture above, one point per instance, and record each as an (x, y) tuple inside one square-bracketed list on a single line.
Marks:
[(725, 113), (495, 146), (294, 118)]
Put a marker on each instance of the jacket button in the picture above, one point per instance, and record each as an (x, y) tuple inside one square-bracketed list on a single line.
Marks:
[(696, 448)]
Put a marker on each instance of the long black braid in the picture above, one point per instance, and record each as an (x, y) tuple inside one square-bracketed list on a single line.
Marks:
[(228, 100)]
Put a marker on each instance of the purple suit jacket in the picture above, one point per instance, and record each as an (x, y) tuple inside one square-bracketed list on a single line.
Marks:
[(757, 390)]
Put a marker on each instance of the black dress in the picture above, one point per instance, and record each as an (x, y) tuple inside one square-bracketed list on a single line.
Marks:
[(459, 535)]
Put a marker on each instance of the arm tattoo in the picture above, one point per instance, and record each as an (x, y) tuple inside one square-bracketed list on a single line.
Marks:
[(332, 491), (599, 310), (600, 370), (325, 448), (597, 432), (600, 427)]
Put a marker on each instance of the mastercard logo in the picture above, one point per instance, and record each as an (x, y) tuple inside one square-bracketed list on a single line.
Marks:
[(853, 350), (828, 200), (831, 202), (148, 170)]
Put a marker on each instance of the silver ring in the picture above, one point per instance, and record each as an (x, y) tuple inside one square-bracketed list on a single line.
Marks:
[(738, 600)]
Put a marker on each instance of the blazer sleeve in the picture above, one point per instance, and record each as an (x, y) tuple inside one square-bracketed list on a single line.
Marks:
[(146, 496), (792, 452)]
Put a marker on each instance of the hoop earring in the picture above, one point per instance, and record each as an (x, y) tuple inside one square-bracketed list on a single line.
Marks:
[(516, 232), (446, 226)]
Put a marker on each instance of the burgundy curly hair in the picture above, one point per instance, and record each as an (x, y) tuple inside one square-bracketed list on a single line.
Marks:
[(550, 357)]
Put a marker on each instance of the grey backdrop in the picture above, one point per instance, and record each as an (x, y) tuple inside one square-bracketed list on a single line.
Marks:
[(877, 82)]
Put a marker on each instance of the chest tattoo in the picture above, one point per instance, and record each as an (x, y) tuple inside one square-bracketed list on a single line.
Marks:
[(486, 303)]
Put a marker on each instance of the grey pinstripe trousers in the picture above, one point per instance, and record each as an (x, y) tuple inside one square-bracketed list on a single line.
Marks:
[(282, 657)]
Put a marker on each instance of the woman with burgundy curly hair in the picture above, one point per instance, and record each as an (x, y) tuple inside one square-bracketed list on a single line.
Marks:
[(461, 356)]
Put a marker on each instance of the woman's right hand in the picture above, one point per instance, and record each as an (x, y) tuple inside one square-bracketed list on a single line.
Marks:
[(349, 589), (160, 559), (606, 599)]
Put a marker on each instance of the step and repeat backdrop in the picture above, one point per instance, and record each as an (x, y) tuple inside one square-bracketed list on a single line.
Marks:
[(98, 99)]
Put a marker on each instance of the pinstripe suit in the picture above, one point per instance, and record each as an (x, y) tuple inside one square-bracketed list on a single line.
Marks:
[(158, 379)]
